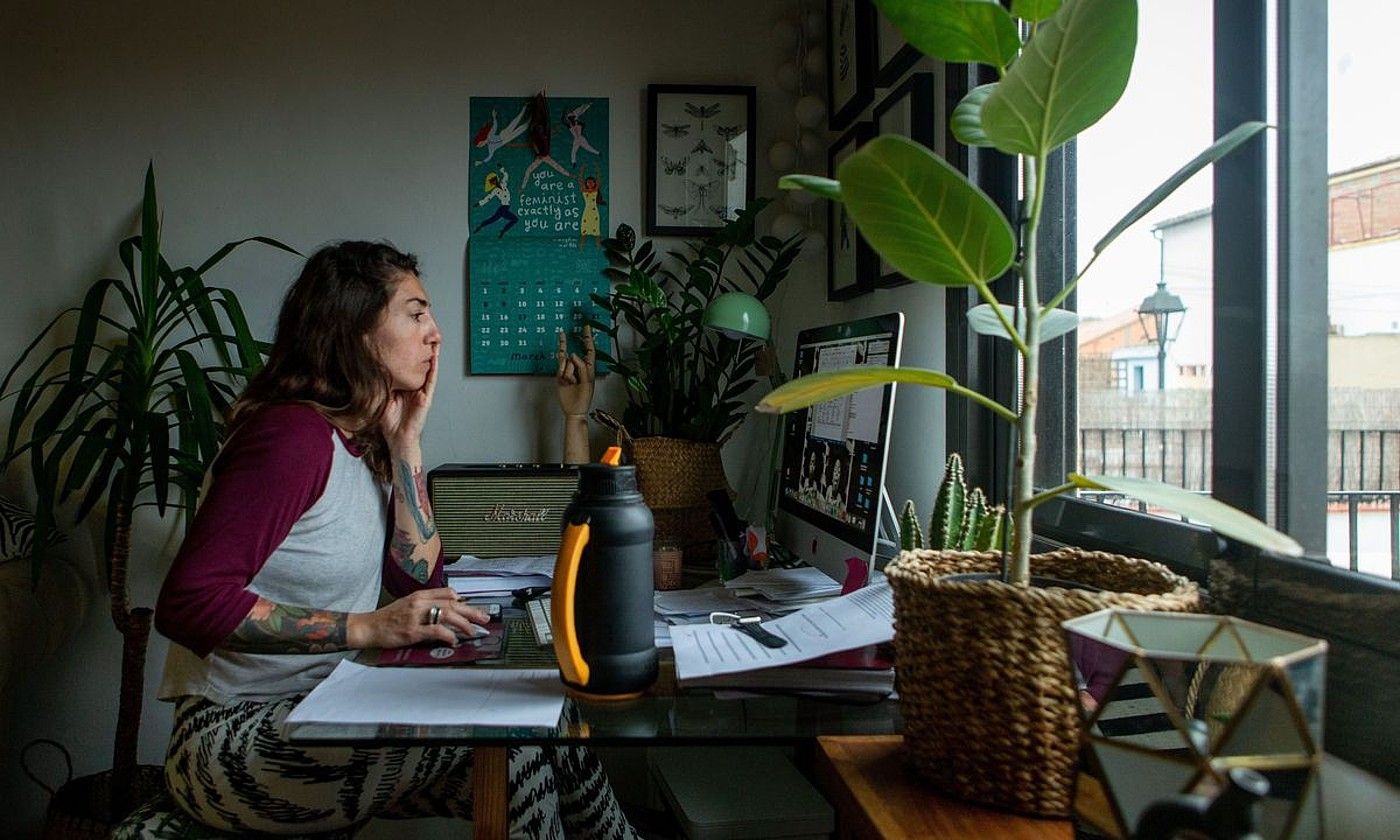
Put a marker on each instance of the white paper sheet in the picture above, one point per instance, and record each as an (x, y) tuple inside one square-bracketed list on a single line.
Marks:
[(494, 584), (355, 693), (701, 601), (864, 617), (530, 564), (787, 584)]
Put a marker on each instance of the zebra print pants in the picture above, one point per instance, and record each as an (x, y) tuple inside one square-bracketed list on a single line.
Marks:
[(230, 767)]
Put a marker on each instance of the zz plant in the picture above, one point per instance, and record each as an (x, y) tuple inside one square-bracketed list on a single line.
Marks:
[(129, 411), (934, 226), (684, 381)]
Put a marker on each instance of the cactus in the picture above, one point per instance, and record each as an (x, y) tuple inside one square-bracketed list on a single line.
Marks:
[(910, 537), (961, 521), (946, 523)]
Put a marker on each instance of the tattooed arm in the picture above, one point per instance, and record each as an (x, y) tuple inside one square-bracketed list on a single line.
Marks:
[(415, 545), (279, 628)]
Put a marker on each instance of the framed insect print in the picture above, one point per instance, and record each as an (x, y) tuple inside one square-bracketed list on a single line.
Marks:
[(893, 55), (851, 263), (850, 76), (700, 144), (911, 110)]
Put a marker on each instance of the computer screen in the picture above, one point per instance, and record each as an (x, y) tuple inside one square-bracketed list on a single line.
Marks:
[(833, 453)]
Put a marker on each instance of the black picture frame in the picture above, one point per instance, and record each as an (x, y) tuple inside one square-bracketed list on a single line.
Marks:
[(911, 110), (850, 60), (679, 202), (893, 55), (850, 268)]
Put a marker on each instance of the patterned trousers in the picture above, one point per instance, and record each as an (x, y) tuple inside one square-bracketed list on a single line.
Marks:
[(231, 767)]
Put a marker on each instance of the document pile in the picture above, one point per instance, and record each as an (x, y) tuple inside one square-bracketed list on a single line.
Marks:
[(499, 576), (835, 647)]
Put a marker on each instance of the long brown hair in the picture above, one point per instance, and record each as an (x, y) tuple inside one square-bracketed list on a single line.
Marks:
[(320, 355)]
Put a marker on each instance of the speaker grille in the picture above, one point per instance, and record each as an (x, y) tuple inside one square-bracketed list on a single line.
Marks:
[(500, 510)]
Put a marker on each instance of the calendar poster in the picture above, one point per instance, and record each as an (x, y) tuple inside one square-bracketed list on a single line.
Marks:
[(538, 211)]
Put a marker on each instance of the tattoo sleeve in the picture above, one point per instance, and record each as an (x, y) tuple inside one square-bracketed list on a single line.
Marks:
[(277, 628), (414, 545)]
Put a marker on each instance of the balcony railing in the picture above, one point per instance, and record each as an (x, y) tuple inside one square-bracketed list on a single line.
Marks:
[(1363, 496)]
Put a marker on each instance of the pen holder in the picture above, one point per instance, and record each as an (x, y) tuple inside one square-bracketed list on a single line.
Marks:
[(666, 567), (730, 559)]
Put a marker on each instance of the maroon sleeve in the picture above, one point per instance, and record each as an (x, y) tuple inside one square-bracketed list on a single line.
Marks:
[(398, 582), (269, 473)]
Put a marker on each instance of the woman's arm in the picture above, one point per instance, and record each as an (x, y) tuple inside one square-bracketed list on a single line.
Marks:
[(278, 628)]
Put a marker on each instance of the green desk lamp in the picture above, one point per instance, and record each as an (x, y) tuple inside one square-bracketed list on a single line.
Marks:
[(743, 317)]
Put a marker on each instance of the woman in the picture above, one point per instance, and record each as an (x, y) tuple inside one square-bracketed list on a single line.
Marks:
[(280, 575), (497, 186)]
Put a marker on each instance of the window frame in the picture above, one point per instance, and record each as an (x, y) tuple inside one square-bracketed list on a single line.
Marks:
[(1355, 613)]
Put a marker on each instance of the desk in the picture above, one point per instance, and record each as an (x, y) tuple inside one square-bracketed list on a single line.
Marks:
[(664, 716), (876, 797)]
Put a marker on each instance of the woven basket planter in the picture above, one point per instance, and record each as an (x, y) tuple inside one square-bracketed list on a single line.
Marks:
[(990, 709)]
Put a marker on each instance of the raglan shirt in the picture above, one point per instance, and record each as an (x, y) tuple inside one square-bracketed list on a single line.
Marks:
[(293, 514)]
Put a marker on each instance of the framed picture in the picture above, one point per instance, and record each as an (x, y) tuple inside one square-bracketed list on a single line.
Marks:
[(851, 263), (911, 110), (850, 57), (893, 55), (700, 142)]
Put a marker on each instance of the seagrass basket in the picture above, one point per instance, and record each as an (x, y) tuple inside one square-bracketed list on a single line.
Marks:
[(985, 688)]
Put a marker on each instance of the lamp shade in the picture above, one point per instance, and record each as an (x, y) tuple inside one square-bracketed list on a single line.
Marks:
[(737, 315)]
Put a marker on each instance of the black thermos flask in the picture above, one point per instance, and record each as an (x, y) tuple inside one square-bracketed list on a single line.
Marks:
[(601, 599)]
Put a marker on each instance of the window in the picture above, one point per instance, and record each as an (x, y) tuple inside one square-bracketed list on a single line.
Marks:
[(1267, 446)]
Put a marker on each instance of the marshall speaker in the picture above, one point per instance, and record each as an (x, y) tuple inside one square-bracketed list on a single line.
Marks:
[(500, 510)]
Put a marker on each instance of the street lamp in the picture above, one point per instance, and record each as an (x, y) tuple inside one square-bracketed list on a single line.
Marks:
[(1158, 308)]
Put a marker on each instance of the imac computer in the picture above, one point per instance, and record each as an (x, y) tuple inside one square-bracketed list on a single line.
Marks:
[(831, 483)]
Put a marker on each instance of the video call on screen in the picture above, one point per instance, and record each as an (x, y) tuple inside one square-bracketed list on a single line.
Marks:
[(831, 451)]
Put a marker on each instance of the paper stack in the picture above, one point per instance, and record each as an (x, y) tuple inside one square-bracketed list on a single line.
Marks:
[(499, 576)]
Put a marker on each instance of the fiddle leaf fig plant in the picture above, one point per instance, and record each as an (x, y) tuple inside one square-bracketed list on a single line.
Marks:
[(935, 226)]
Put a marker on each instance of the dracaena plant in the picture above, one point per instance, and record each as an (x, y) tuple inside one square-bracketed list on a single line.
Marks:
[(934, 226), (130, 411)]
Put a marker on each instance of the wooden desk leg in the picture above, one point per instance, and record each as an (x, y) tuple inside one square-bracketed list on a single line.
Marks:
[(489, 798)]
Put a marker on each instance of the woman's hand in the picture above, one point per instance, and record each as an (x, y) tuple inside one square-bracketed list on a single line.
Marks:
[(407, 621), (407, 411)]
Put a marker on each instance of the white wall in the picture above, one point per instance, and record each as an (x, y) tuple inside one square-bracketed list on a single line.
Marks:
[(314, 121)]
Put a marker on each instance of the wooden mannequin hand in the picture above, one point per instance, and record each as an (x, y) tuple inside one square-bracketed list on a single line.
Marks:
[(575, 375)]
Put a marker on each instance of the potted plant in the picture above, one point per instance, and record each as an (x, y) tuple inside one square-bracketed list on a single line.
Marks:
[(685, 383), (989, 705), (128, 412)]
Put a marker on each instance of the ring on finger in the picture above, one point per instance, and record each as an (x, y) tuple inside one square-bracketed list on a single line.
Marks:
[(434, 615)]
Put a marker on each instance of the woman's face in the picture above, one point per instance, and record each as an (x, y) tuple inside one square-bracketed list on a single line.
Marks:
[(836, 472), (406, 339)]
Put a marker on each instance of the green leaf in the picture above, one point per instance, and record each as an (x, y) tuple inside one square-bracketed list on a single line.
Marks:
[(956, 31), (83, 340), (1228, 521), (150, 245), (218, 256), (966, 120), (1070, 74), (197, 391), (924, 216), (819, 387), (816, 184), (1053, 324), (1033, 10), (1230, 141), (158, 427)]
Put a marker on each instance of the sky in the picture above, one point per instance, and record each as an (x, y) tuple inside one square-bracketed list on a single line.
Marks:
[(1164, 119)]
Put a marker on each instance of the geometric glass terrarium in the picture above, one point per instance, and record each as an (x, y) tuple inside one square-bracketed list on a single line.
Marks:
[(1172, 701)]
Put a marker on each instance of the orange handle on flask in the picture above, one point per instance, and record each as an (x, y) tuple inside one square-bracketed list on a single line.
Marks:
[(561, 605)]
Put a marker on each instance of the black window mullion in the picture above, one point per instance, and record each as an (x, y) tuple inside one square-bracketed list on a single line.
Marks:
[(1240, 263), (1301, 481)]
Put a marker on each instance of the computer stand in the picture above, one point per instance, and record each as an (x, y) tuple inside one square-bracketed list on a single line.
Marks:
[(887, 543)]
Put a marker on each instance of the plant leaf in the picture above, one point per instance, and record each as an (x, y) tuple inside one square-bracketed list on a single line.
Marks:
[(218, 255), (924, 216), (1228, 142), (1053, 324), (966, 120), (82, 345), (150, 246), (973, 31), (1228, 521), (201, 409), (819, 387), (1070, 74), (1034, 10), (816, 184)]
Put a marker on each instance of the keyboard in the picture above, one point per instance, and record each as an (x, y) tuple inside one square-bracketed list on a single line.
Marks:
[(538, 613)]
